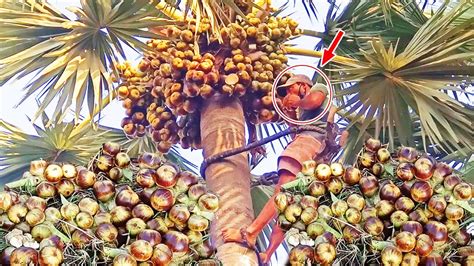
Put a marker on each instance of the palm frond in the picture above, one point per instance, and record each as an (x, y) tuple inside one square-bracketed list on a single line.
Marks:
[(71, 58), (66, 142), (390, 84), (52, 144)]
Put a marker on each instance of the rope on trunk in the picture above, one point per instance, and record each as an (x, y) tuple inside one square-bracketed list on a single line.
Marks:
[(253, 145)]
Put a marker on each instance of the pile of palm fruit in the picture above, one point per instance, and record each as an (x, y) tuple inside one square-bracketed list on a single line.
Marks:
[(163, 94), (115, 211), (403, 208)]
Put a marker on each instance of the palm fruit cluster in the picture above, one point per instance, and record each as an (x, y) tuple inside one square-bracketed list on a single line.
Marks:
[(162, 96), (400, 208), (116, 211)]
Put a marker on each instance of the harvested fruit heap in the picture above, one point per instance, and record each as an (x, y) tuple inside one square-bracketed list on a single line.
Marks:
[(391, 209), (117, 211), (163, 94)]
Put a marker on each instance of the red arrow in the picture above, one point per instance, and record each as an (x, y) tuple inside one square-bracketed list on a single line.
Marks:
[(328, 53)]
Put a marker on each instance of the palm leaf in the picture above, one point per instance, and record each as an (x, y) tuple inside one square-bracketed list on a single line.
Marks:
[(71, 58), (391, 84), (66, 142)]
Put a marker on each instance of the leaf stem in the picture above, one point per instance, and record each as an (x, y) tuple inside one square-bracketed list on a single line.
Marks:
[(318, 54), (313, 33)]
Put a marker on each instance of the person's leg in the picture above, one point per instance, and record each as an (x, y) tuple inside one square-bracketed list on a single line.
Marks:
[(266, 215), (277, 237), (301, 149)]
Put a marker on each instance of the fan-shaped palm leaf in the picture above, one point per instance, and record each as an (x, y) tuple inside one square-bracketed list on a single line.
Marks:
[(72, 58), (391, 84), (66, 142)]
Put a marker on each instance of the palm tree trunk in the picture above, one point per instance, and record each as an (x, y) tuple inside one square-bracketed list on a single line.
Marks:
[(223, 128)]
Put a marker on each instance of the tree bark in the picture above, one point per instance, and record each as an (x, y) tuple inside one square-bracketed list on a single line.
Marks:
[(223, 128)]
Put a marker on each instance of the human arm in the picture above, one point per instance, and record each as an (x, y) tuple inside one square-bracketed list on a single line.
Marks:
[(315, 98)]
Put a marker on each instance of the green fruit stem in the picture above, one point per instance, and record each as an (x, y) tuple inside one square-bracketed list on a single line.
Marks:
[(114, 252), (205, 214), (380, 245), (301, 181), (58, 233), (328, 228), (28, 181)]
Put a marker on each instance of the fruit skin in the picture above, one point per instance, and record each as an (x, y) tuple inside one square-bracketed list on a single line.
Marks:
[(424, 168), (391, 255), (88, 205), (413, 227), (85, 178), (356, 201), (143, 211), (104, 190), (407, 154), (337, 169), (390, 192), (421, 191), (372, 144), (106, 232), (120, 215), (383, 155), (437, 204), (432, 259), (151, 236), (451, 181), (124, 260), (162, 199), (16, 213), (141, 250), (5, 201), (316, 189), (166, 176), (322, 172), (454, 212), (405, 171), (162, 255), (437, 231), (45, 190), (373, 226), (410, 259), (53, 173), (127, 198), (177, 242), (325, 253), (384, 208), (352, 176), (405, 241), (463, 191), (146, 178), (35, 217), (50, 256), (369, 185), (399, 218), (404, 204), (301, 255), (23, 256), (65, 187), (34, 202)]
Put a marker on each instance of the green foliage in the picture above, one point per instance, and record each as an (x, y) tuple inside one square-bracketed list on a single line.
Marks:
[(65, 142), (400, 86), (71, 57)]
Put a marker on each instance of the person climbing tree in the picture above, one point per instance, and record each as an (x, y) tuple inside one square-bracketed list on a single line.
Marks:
[(304, 101)]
